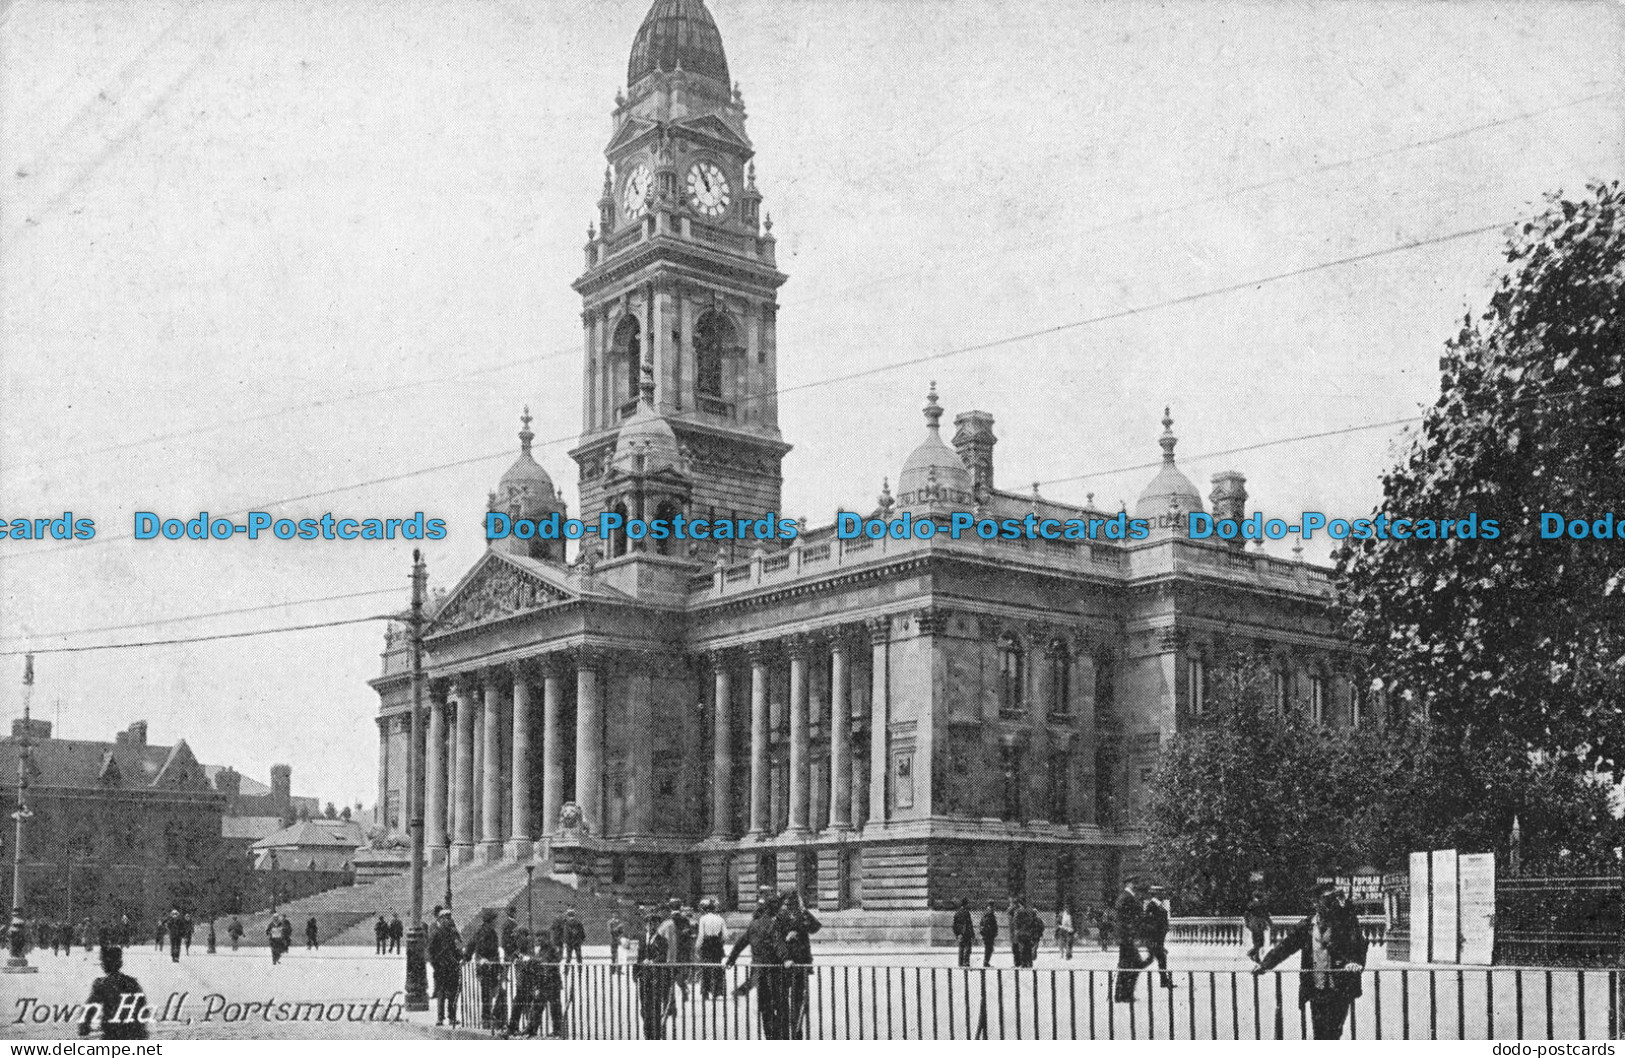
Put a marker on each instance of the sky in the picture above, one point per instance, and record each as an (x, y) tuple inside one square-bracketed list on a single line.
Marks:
[(316, 256)]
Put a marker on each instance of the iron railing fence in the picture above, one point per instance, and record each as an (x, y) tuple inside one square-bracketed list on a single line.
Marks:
[(600, 1001)]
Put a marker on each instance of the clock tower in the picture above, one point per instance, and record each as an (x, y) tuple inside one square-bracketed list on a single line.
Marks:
[(679, 295)]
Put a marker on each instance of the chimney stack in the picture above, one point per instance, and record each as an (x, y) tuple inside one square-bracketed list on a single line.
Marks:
[(974, 442), (1229, 500)]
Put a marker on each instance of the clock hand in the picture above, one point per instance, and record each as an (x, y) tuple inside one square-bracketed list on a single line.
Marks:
[(706, 181)]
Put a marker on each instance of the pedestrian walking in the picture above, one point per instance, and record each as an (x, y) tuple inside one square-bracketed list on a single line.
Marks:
[(1154, 927), (798, 925), (273, 934), (163, 931), (1128, 913), (484, 949), (311, 929), (617, 930), (713, 932), (1063, 931), (768, 955), (687, 938), (177, 934), (446, 959), (652, 973), (1332, 953), (117, 1001), (234, 930), (575, 935), (964, 931), (1257, 920), (380, 936), (186, 930), (397, 930), (990, 933)]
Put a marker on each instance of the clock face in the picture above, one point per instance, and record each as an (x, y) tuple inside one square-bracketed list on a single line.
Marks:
[(708, 189), (635, 192)]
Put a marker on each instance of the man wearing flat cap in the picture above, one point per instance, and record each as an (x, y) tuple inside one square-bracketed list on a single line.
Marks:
[(446, 957), (1332, 951)]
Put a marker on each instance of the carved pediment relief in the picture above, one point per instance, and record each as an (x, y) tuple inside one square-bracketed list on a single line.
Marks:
[(498, 591)]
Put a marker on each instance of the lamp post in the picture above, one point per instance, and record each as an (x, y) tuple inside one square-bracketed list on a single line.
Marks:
[(417, 972), (530, 877), (17, 962), (273, 881)]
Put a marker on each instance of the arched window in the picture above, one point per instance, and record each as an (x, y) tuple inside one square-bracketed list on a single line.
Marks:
[(1196, 686), (713, 339), (666, 512), (1060, 679), (1317, 699), (617, 540), (1012, 676), (629, 353)]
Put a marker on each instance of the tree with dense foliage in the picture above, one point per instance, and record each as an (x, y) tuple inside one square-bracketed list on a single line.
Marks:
[(1246, 789), (1516, 644)]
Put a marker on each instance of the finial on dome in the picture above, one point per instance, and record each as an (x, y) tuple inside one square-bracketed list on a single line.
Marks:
[(1089, 499), (525, 436), (1297, 550), (768, 223), (750, 177), (620, 98), (885, 499), (933, 411), (1036, 496), (591, 232), (1167, 440), (609, 180)]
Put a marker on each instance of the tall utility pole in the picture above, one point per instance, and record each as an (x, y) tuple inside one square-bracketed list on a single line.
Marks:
[(17, 963), (417, 942)]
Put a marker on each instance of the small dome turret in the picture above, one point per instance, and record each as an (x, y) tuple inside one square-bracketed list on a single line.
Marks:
[(526, 490), (933, 474), (1170, 491), (646, 442)]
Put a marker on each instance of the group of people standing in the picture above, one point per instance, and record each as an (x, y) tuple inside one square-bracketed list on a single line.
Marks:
[(780, 941), (388, 934), (517, 969), (1026, 928), (1141, 921)]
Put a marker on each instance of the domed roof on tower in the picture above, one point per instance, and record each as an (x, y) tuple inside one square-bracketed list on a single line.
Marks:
[(933, 472), (646, 442), (525, 484), (678, 33), (1170, 490)]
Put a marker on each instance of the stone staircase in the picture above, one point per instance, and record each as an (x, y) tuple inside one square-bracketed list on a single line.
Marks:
[(347, 916)]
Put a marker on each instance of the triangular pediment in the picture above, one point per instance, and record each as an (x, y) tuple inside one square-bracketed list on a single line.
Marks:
[(180, 770), (712, 126), (499, 586), (627, 133)]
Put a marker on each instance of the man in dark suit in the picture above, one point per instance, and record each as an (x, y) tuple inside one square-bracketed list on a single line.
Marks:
[(768, 955), (1129, 912), (1154, 930), (964, 932), (117, 1000), (990, 933), (446, 956), (797, 924), (1332, 950)]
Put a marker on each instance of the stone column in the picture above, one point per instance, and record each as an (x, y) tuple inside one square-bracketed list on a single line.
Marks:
[(799, 786), (552, 747), (840, 740), (463, 826), (521, 831), (434, 800), (722, 750), (589, 744), (759, 806), (491, 778), (383, 774), (880, 683), (476, 793)]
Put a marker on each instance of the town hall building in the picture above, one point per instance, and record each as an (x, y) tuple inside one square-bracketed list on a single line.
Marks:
[(886, 725)]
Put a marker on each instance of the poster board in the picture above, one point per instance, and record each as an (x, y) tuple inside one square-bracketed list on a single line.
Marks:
[(1421, 909), (1445, 929), (1476, 874)]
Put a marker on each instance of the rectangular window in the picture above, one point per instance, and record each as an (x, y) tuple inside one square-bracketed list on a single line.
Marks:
[(1196, 691), (1317, 699), (1060, 782), (1354, 704), (1283, 691)]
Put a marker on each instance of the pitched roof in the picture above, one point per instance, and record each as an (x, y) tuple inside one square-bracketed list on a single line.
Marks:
[(315, 833), (74, 763), (241, 828)]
